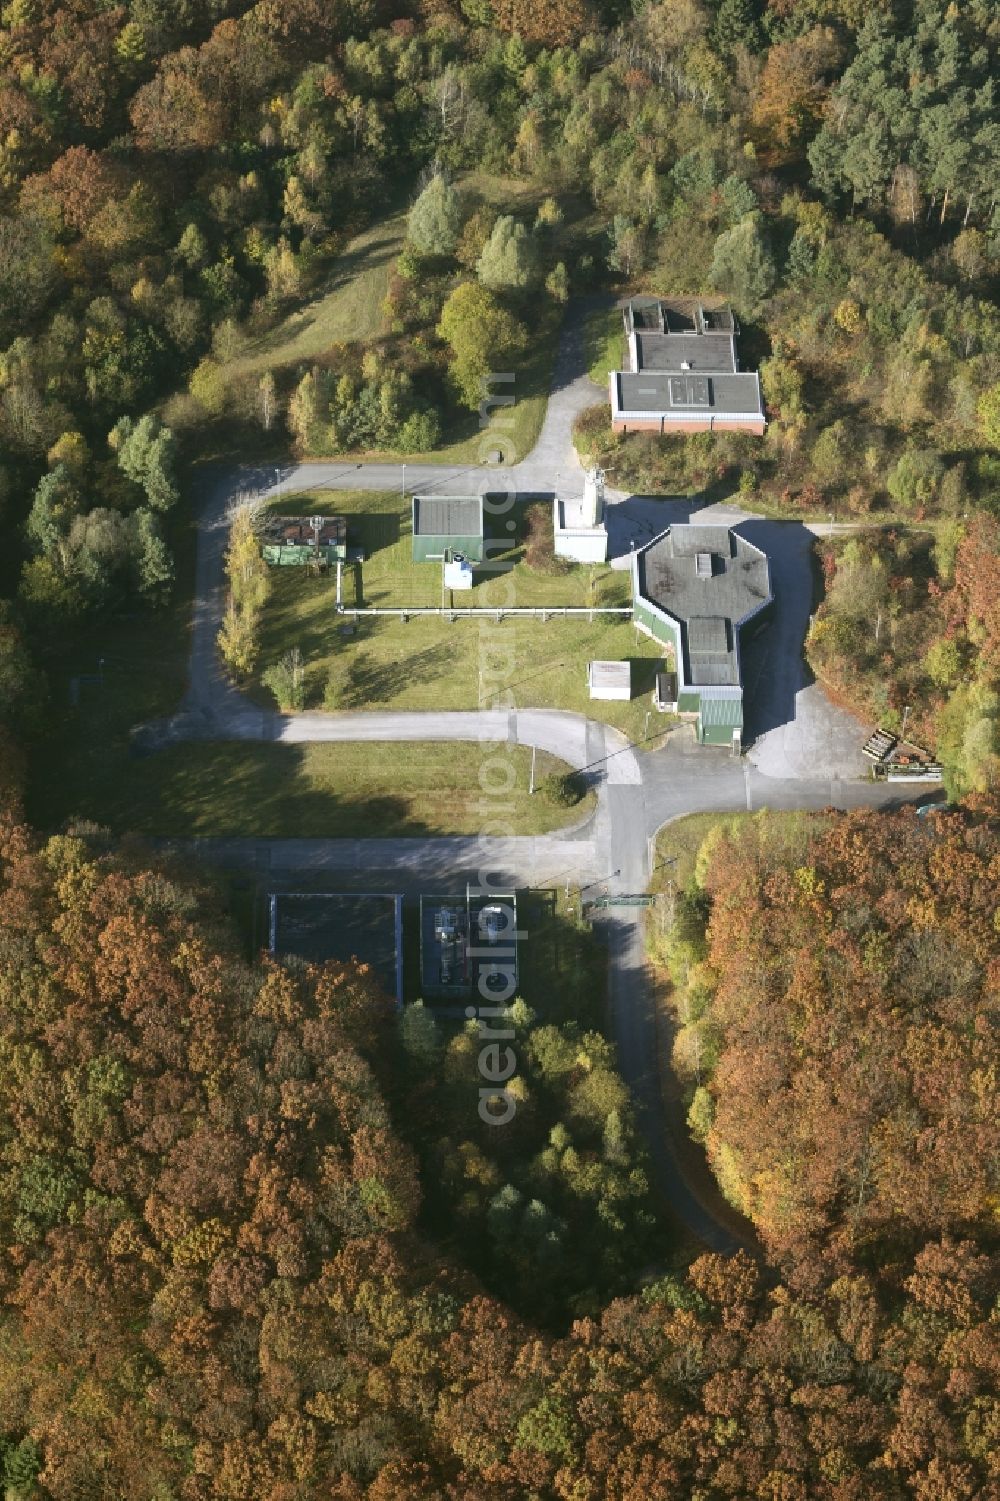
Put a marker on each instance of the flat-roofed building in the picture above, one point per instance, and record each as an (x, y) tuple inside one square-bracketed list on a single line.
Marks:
[(610, 680), (682, 371), (696, 589), (446, 527), (295, 541)]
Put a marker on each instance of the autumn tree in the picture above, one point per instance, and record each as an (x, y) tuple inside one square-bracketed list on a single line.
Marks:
[(481, 335)]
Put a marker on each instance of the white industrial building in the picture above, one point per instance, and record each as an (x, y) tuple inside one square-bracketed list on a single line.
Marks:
[(578, 525)]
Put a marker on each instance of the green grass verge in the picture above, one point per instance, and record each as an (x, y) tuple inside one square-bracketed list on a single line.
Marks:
[(313, 791), (430, 662), (348, 307), (604, 344)]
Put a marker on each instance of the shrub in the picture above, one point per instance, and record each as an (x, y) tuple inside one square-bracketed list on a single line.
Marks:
[(539, 547), (333, 689), (286, 680), (420, 432), (562, 789)]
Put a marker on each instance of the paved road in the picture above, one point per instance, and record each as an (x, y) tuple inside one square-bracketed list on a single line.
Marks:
[(805, 754)]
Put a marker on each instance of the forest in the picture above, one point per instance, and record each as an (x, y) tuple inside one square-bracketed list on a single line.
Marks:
[(217, 1279), (907, 632)]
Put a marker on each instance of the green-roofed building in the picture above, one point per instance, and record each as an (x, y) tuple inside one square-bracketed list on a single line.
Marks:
[(446, 527), (696, 589)]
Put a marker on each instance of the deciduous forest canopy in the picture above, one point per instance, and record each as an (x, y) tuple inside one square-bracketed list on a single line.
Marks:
[(215, 1284)]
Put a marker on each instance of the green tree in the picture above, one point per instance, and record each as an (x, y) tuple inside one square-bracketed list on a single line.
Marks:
[(510, 260), (736, 26), (989, 416), (943, 663), (208, 387), (55, 505), (435, 220), (420, 1034), (628, 246), (154, 566), (916, 478), (482, 336), (23, 688), (829, 453), (146, 454), (742, 265)]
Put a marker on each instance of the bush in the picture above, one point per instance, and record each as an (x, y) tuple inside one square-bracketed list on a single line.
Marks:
[(592, 432), (562, 789), (539, 547), (420, 432), (286, 680)]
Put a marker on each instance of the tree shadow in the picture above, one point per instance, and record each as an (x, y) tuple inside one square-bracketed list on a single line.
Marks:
[(374, 531), (644, 670), (372, 680)]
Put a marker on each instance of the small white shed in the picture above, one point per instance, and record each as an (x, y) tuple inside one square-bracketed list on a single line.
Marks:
[(458, 573), (610, 680)]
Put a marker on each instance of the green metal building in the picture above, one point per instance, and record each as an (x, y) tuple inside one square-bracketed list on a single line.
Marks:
[(446, 526), (696, 589)]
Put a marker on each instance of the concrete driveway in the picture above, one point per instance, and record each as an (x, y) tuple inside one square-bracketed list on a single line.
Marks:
[(794, 730)]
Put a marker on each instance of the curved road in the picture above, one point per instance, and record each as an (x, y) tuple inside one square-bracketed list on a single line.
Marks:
[(805, 755)]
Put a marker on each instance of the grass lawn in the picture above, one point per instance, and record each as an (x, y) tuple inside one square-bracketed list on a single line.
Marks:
[(81, 766), (310, 791), (604, 344), (349, 306), (381, 523), (430, 662)]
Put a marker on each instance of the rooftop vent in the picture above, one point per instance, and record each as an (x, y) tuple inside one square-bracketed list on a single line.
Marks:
[(685, 364), (703, 565)]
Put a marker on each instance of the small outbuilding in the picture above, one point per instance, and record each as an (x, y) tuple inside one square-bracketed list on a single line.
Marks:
[(296, 541), (446, 527), (610, 680)]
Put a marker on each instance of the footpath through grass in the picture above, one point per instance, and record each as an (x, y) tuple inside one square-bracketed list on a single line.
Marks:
[(604, 344), (431, 662), (309, 792), (348, 306)]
